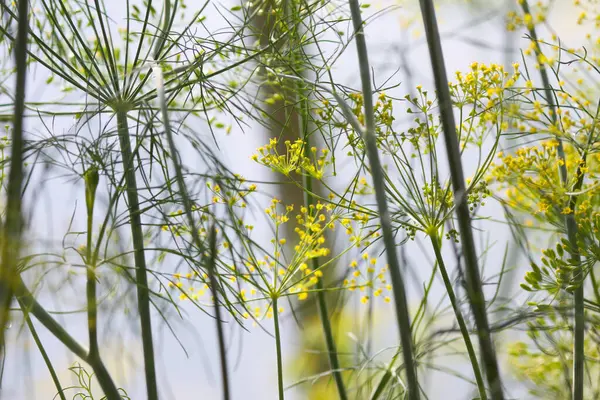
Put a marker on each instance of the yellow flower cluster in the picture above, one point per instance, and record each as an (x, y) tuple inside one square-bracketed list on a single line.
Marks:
[(196, 285), (261, 275), (387, 140), (480, 94), (533, 184), (232, 197), (537, 15), (531, 178), (369, 280), (294, 159)]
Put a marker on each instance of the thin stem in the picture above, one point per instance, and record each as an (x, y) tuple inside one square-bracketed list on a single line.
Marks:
[(143, 296), (579, 348), (11, 234), (158, 47), (309, 200), (278, 349), (595, 285), (42, 350), (578, 295), (474, 287), (436, 243), (219, 321), (402, 313), (91, 184)]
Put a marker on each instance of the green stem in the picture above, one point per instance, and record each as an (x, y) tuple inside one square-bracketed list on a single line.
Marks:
[(278, 349), (332, 353), (164, 31), (91, 184), (578, 295), (143, 296), (42, 350), (399, 290), (595, 285), (215, 294), (436, 243), (11, 232), (309, 200), (474, 287)]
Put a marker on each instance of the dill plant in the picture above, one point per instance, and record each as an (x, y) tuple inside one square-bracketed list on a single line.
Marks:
[(181, 229), (550, 185)]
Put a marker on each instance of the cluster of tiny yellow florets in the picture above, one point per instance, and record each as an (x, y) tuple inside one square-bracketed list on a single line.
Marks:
[(533, 185), (483, 85), (480, 96), (191, 285), (384, 118), (255, 279), (295, 158), (537, 14), (368, 279), (234, 197), (437, 197)]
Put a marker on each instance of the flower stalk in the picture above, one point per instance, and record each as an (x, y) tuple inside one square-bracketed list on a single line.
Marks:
[(578, 295), (474, 286), (139, 256), (399, 290), (437, 249), (11, 232)]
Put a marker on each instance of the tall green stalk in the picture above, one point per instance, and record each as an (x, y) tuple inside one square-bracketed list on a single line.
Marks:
[(309, 200), (401, 306), (278, 349), (437, 249), (474, 286), (301, 97), (11, 231), (578, 295), (141, 278), (215, 293), (91, 178)]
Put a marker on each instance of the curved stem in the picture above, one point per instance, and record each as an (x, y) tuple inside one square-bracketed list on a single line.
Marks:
[(402, 313), (278, 349), (143, 296), (436, 243)]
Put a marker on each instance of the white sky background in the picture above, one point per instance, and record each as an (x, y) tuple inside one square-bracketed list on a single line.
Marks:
[(254, 376)]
